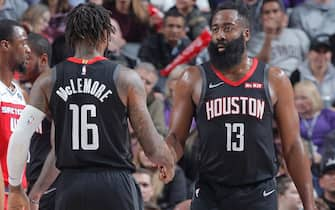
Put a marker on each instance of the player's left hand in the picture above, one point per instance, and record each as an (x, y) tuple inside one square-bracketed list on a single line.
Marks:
[(17, 199)]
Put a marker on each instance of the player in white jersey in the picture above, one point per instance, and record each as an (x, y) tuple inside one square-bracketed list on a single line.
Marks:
[(13, 53)]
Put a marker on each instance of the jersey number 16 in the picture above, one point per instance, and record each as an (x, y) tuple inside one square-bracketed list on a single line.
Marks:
[(80, 114)]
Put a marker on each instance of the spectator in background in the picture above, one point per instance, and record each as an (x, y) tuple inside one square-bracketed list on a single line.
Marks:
[(58, 10), (160, 49), (278, 45), (327, 177), (12, 9), (115, 49), (321, 204), (132, 17), (195, 22), (288, 196), (36, 18), (318, 69), (255, 13), (315, 121), (149, 75), (143, 178), (314, 17)]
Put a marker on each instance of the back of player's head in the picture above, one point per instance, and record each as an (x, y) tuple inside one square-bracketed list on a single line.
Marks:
[(88, 22), (39, 45), (242, 10), (7, 29)]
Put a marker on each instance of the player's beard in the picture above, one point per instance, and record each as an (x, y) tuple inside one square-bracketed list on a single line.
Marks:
[(231, 56), (21, 68)]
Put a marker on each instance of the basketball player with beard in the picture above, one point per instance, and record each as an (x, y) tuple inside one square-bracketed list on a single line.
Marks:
[(234, 99)]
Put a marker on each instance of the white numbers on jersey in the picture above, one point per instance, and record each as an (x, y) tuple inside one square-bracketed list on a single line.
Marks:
[(82, 129), (238, 130)]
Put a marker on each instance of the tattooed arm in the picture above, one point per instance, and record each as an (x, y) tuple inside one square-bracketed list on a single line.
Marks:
[(132, 93)]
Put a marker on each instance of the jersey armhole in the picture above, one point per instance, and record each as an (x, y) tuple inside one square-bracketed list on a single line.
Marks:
[(115, 77), (55, 81), (267, 86), (203, 88)]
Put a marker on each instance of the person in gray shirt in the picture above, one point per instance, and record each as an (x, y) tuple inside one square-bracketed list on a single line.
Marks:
[(314, 17), (318, 69), (276, 44), (12, 9)]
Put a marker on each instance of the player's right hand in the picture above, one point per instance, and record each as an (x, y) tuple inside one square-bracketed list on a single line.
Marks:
[(18, 200), (166, 174)]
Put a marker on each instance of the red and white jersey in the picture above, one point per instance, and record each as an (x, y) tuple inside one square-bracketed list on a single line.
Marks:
[(11, 105)]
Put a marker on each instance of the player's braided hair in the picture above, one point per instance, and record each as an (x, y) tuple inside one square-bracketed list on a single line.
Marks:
[(89, 23)]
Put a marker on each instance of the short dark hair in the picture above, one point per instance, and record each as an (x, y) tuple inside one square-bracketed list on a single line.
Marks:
[(89, 22), (173, 13), (242, 10), (7, 29), (281, 5), (39, 45)]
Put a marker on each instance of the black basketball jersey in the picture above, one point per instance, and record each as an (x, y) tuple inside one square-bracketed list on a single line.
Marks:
[(234, 120), (38, 150), (91, 128)]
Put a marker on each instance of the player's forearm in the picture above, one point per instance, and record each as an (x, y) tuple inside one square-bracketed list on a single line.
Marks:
[(19, 143), (176, 147), (161, 155), (47, 176), (299, 169)]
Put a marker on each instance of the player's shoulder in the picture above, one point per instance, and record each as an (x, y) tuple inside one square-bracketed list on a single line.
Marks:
[(278, 79)]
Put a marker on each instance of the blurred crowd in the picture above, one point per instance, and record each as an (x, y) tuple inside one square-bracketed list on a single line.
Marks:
[(296, 35)]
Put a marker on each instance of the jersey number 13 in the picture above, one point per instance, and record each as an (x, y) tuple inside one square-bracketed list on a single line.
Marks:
[(236, 129)]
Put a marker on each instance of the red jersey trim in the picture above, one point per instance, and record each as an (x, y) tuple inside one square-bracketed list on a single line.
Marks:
[(243, 79), (85, 61)]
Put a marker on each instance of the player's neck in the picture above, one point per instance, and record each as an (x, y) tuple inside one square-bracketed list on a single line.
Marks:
[(86, 53), (6, 76), (242, 68)]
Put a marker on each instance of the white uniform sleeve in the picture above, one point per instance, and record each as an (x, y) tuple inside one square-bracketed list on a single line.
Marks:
[(19, 142)]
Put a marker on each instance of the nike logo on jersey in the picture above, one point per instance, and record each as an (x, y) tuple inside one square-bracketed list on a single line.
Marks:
[(211, 85), (266, 194), (197, 193)]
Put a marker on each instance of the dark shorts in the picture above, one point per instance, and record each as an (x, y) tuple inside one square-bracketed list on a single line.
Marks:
[(100, 189), (260, 196)]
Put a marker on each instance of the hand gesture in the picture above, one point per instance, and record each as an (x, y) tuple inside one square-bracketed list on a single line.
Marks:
[(18, 200)]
